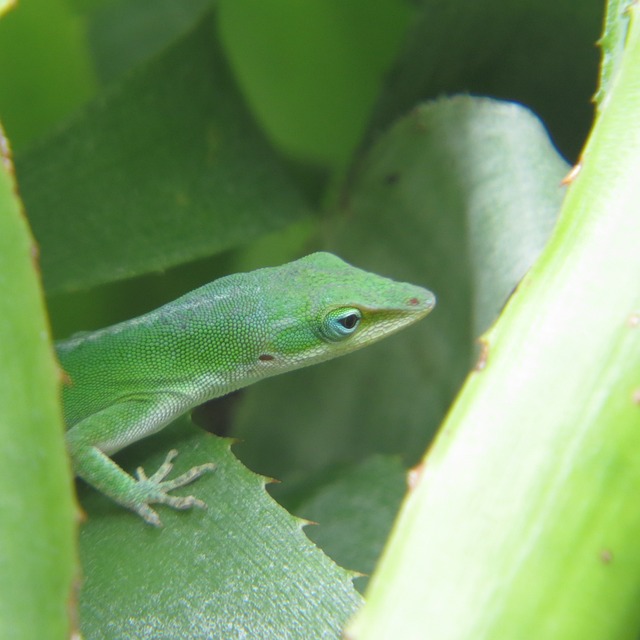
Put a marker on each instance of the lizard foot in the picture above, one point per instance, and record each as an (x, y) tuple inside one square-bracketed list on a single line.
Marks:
[(154, 489)]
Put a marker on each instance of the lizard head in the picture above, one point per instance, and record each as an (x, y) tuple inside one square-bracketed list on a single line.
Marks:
[(320, 307)]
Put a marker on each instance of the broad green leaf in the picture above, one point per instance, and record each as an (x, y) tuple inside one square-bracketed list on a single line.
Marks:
[(354, 508), (163, 169), (525, 520), (126, 34), (538, 53), (37, 554), (45, 71), (241, 569), (459, 196), (312, 70)]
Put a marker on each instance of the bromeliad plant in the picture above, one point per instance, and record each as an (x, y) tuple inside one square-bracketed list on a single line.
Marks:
[(522, 516)]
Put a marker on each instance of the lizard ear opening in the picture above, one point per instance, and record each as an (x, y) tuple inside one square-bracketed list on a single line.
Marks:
[(340, 323)]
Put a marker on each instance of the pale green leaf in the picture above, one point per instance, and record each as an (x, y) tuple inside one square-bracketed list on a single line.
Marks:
[(525, 519), (37, 545)]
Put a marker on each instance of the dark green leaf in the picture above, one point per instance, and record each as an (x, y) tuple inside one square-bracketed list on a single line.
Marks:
[(127, 34), (166, 168), (354, 509), (538, 53), (241, 569)]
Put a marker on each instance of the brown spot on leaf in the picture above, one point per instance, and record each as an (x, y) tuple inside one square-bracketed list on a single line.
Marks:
[(606, 556), (5, 153), (414, 476), (484, 355), (34, 254), (573, 174)]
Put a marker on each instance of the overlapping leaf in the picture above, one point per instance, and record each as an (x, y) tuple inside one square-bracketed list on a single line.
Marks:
[(166, 168)]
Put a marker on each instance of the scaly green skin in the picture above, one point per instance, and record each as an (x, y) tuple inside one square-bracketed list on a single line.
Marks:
[(132, 379)]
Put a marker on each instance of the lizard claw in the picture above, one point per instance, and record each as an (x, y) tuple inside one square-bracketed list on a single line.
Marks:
[(154, 489)]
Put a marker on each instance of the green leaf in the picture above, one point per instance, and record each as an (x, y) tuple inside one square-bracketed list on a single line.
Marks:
[(37, 557), (612, 43), (526, 517), (354, 508), (164, 169), (536, 53), (312, 69), (126, 34), (45, 72), (459, 196), (242, 568)]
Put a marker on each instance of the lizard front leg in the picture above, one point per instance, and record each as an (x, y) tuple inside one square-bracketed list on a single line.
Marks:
[(113, 428)]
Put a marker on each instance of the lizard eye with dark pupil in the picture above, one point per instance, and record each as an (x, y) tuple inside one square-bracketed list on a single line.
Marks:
[(350, 321), (340, 323)]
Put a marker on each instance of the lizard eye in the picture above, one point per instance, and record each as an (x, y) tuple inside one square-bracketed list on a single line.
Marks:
[(341, 323)]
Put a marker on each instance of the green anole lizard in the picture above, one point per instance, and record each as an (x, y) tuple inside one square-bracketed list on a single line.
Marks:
[(130, 380)]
